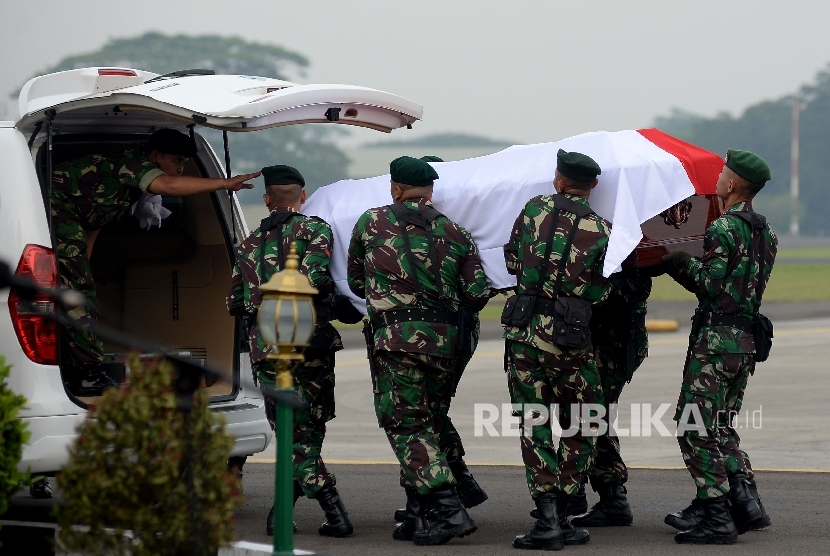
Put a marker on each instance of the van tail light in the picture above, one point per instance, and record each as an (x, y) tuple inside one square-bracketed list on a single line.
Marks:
[(33, 315)]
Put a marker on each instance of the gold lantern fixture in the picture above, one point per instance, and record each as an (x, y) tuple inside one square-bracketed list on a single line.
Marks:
[(286, 317)]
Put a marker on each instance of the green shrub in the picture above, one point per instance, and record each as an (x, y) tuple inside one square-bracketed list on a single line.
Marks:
[(125, 473), (11, 441)]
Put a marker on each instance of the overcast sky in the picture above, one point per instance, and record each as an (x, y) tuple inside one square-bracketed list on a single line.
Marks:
[(524, 71)]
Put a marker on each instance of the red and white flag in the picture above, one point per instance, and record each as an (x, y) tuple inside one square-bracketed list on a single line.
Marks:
[(644, 172)]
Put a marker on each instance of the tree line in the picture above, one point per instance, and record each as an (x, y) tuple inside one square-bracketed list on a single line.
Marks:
[(765, 128)]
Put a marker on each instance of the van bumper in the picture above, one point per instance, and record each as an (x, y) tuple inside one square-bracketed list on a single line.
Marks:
[(246, 422), (48, 448)]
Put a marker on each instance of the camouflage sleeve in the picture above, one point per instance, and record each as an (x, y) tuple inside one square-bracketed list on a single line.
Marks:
[(235, 299), (357, 259), (709, 272), (600, 287), (474, 292), (511, 248), (134, 170), (317, 256)]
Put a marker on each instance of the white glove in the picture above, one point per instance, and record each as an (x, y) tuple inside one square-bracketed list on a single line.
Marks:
[(148, 211)]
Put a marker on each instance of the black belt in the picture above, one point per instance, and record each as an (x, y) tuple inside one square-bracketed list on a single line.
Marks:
[(735, 321), (388, 318), (544, 306)]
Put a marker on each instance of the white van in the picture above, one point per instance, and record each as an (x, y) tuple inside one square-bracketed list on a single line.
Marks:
[(167, 284)]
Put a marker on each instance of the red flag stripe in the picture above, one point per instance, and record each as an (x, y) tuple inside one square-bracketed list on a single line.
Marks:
[(703, 167)]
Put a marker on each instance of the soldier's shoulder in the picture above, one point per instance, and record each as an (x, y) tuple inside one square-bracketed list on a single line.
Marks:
[(251, 242), (315, 222), (603, 224), (773, 236), (538, 205), (309, 227), (376, 214), (456, 231)]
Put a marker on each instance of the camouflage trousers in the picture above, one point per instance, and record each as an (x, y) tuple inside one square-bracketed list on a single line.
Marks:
[(609, 467), (535, 376), (716, 383), (448, 439), (314, 383), (411, 392), (81, 350)]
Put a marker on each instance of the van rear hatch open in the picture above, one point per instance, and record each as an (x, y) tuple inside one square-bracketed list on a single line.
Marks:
[(170, 273), (226, 102)]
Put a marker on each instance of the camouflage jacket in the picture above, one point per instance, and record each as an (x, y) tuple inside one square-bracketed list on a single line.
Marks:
[(721, 278), (96, 190), (618, 326), (583, 270), (314, 240), (379, 271)]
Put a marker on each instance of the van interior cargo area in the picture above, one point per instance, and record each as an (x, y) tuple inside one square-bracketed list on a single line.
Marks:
[(166, 284)]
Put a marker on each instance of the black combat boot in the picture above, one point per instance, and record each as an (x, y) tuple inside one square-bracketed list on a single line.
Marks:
[(688, 518), (569, 534), (269, 522), (451, 519), (765, 520), (413, 515), (716, 527), (577, 504), (41, 489), (470, 493), (612, 510), (337, 522), (745, 511), (546, 534)]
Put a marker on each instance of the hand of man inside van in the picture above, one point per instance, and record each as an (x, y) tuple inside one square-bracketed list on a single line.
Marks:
[(181, 186)]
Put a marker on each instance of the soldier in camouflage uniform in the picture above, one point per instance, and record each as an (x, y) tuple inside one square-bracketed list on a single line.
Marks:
[(539, 371), (416, 269), (618, 332), (87, 194), (314, 378), (449, 440), (729, 281)]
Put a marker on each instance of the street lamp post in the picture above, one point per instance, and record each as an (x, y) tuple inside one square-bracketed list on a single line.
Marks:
[(286, 322)]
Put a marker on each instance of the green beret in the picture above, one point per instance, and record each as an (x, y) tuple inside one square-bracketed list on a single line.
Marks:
[(412, 171), (577, 166), (749, 166), (432, 158), (282, 175), (171, 141)]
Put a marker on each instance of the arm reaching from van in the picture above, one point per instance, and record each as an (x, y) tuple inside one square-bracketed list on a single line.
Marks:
[(181, 186)]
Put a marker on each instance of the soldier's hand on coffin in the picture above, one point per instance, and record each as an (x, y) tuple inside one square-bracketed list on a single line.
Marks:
[(679, 260), (654, 270), (345, 312)]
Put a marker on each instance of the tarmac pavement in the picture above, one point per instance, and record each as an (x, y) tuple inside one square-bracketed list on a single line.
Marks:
[(797, 503)]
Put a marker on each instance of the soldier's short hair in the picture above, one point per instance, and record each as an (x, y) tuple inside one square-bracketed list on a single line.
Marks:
[(407, 187), (572, 183), (284, 194)]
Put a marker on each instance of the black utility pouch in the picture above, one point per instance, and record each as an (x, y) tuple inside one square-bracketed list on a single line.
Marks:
[(518, 310), (762, 331), (571, 323)]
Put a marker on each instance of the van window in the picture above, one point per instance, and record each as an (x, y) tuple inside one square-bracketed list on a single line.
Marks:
[(167, 283)]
